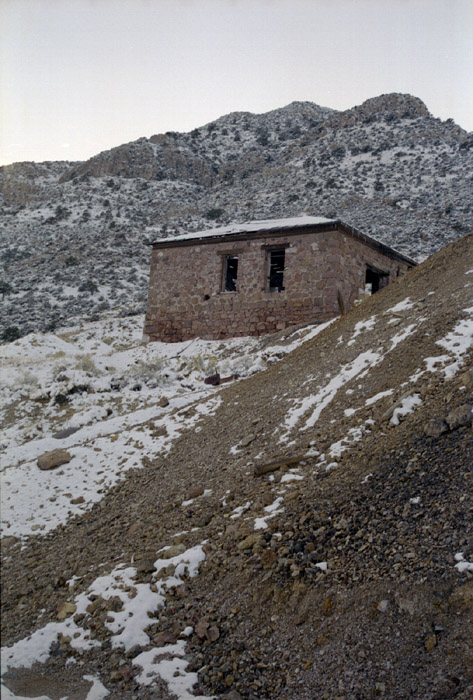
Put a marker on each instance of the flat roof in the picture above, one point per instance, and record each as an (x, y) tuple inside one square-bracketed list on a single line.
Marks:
[(277, 227), (253, 227)]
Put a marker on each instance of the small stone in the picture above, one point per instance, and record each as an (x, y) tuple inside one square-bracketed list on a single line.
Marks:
[(212, 633), (145, 566), (434, 428), (172, 551), (163, 402), (116, 676), (201, 628), (61, 434), (164, 638), (247, 440), (134, 528), (53, 459), (461, 598), (461, 415), (268, 557), (65, 610), (134, 651), (126, 673), (194, 492), (466, 379), (430, 642), (76, 501), (249, 541), (233, 695), (341, 524), (327, 606)]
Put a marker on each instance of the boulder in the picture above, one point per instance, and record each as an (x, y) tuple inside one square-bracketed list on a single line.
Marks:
[(461, 415), (53, 459)]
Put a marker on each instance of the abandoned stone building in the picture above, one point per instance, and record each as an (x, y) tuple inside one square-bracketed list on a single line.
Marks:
[(261, 277)]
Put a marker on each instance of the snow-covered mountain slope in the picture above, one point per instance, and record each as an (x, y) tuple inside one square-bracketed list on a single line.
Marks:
[(304, 531), (72, 236)]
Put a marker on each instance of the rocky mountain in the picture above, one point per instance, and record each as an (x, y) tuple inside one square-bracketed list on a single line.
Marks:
[(72, 236), (303, 531)]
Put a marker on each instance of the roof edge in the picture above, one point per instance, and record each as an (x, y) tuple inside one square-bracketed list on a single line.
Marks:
[(278, 232)]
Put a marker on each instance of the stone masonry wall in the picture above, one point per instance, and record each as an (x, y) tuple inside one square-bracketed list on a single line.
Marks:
[(186, 300)]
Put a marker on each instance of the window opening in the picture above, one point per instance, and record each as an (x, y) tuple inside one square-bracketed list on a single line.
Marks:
[(375, 280), (276, 270), (230, 273)]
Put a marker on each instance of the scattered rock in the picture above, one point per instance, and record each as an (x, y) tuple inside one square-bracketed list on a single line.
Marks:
[(173, 551), (466, 379), (194, 492), (65, 610), (430, 642), (327, 606), (268, 558), (201, 628), (7, 542), (249, 541), (212, 633), (76, 501), (145, 566), (164, 638), (268, 467), (461, 415), (233, 695), (53, 459), (163, 402), (461, 598), (61, 434), (434, 428), (247, 440)]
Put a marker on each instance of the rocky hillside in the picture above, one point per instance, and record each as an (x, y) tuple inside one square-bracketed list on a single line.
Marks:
[(72, 236), (303, 532)]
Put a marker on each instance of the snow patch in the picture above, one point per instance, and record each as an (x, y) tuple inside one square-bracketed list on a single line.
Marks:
[(407, 406)]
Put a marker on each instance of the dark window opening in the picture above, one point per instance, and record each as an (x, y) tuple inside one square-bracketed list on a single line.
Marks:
[(375, 280), (230, 273), (276, 270)]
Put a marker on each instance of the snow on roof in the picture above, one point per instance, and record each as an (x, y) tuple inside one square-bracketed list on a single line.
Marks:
[(252, 227)]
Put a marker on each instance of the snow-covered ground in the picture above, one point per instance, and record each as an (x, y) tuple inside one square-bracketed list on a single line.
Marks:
[(111, 402)]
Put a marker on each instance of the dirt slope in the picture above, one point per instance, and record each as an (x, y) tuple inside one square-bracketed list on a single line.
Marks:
[(351, 591)]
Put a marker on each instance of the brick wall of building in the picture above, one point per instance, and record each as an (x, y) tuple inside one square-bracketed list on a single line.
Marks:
[(186, 300)]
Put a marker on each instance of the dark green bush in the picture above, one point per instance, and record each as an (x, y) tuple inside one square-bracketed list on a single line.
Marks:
[(215, 213), (10, 334)]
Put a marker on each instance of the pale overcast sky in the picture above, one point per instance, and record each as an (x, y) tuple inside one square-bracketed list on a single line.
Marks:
[(80, 76)]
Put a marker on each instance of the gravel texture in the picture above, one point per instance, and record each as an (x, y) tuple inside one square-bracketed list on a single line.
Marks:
[(389, 616)]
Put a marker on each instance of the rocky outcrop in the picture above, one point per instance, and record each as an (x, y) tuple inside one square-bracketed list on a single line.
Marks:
[(152, 159)]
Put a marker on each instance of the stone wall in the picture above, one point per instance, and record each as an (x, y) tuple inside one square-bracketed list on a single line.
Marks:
[(322, 270)]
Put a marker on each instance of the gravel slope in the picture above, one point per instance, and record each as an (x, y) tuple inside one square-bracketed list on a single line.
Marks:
[(351, 591)]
